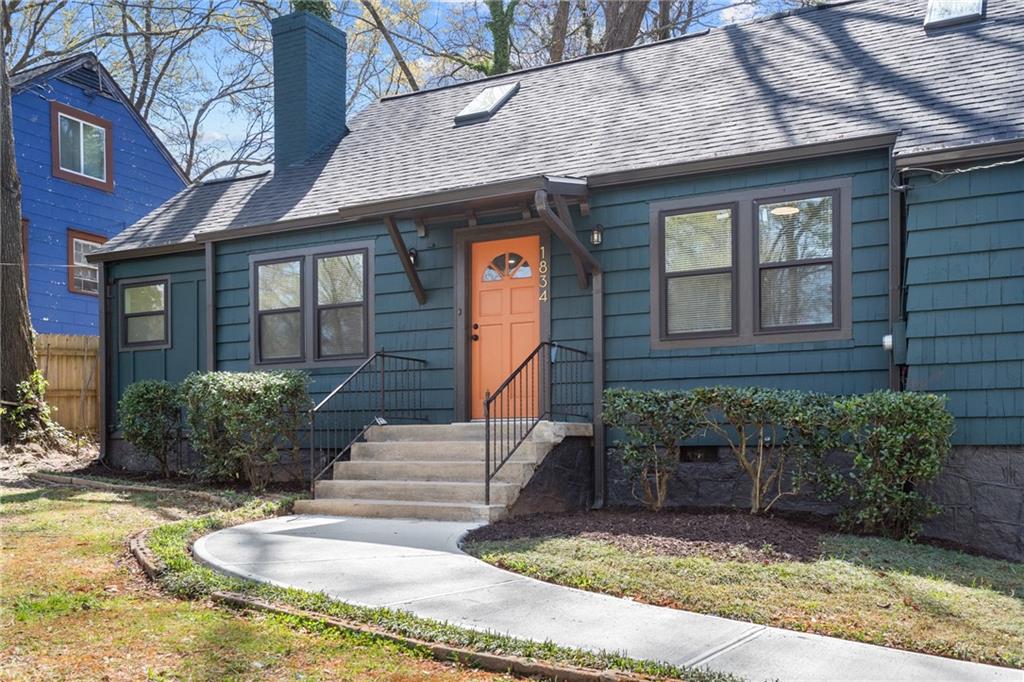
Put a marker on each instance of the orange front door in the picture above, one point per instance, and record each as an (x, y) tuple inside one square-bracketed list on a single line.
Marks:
[(505, 312)]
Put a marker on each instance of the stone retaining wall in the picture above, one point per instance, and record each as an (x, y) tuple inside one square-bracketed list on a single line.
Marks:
[(981, 490)]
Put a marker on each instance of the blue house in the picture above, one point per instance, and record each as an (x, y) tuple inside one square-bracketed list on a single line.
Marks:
[(90, 166), (828, 199)]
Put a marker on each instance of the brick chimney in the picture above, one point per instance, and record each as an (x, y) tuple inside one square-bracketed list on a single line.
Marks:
[(309, 87)]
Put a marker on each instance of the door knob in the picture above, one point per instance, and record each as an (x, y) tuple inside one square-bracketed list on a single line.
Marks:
[(475, 337)]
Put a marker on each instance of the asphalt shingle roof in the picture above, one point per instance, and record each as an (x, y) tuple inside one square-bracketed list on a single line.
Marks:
[(837, 72)]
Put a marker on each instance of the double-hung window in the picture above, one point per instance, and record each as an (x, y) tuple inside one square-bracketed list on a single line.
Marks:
[(83, 276), (700, 271), (755, 266), (312, 307), (279, 310), (81, 146), (144, 319)]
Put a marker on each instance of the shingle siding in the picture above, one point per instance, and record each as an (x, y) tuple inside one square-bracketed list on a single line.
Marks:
[(965, 299), (849, 366)]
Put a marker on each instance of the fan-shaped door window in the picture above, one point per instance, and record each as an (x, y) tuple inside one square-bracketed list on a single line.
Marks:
[(508, 265)]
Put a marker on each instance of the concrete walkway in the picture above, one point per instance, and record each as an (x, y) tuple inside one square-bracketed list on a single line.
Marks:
[(416, 566)]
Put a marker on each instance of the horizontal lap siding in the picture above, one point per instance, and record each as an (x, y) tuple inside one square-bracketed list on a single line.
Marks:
[(850, 366), (143, 179), (401, 324), (187, 353), (965, 299)]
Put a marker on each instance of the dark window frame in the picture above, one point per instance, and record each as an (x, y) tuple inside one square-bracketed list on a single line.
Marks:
[(259, 314), (56, 110), (733, 271), (72, 235), (747, 254), (318, 308), (760, 267), (123, 316), (310, 335)]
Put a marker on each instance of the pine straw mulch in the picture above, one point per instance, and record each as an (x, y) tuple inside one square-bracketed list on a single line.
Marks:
[(721, 536)]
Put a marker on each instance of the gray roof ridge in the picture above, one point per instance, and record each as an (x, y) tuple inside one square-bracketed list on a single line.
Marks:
[(775, 16)]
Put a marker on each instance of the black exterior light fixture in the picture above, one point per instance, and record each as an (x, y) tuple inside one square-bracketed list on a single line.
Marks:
[(597, 235)]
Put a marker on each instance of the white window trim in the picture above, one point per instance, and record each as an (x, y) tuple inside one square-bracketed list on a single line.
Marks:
[(81, 148)]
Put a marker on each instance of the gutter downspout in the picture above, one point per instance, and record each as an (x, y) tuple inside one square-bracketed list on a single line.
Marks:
[(104, 434), (583, 257), (897, 315)]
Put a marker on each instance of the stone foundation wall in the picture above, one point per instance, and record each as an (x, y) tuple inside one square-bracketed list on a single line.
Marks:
[(122, 455), (562, 483), (981, 490)]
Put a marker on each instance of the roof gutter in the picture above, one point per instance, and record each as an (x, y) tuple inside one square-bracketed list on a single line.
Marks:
[(854, 144), (946, 157)]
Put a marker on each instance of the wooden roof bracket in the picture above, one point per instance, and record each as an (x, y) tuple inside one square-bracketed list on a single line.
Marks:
[(403, 256), (561, 224)]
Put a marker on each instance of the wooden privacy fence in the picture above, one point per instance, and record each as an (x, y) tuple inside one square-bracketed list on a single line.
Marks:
[(71, 366)]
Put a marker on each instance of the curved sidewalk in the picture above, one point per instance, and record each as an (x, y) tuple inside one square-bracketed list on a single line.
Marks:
[(416, 566)]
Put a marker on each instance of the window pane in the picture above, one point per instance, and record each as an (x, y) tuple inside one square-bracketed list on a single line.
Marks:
[(795, 230), (339, 279), (796, 296), (145, 329), (699, 303), (341, 331), (94, 140), (697, 241), (70, 132), (280, 336), (280, 285), (146, 298)]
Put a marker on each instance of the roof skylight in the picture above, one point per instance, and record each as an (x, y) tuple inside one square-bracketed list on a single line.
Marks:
[(488, 101), (949, 12)]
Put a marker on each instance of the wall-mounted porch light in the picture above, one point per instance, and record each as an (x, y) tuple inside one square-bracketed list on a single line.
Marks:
[(597, 235), (413, 256)]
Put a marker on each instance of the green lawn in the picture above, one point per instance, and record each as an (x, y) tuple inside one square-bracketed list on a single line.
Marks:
[(873, 590), (74, 606)]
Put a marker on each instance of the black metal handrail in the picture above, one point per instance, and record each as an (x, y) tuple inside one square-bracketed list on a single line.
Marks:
[(385, 388), (549, 383)]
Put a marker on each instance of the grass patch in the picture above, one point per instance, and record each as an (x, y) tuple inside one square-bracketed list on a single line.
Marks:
[(189, 580), (874, 590), (72, 607)]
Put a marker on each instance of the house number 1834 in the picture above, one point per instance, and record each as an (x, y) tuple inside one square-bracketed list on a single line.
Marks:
[(542, 270)]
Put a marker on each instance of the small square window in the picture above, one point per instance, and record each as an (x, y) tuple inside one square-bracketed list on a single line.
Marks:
[(144, 314), (81, 147), (83, 276)]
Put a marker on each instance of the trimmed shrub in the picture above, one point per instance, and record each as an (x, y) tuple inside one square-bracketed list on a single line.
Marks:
[(655, 422), (899, 441), (767, 431), (241, 421), (150, 416)]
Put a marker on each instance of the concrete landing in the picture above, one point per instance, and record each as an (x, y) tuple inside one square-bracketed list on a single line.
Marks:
[(416, 566)]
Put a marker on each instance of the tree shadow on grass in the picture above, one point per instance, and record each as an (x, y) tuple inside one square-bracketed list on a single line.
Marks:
[(926, 561)]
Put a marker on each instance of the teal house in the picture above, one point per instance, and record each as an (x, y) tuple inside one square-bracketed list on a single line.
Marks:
[(830, 199)]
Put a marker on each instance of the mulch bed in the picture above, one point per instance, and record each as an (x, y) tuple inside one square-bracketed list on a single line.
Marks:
[(98, 468), (720, 536)]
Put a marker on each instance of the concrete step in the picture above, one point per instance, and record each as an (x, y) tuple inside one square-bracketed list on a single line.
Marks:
[(417, 491), (544, 431), (455, 471), (391, 509), (426, 432), (451, 450)]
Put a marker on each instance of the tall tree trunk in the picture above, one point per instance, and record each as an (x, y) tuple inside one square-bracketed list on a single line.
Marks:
[(559, 31), (17, 361), (623, 19), (500, 26)]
